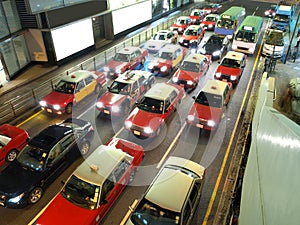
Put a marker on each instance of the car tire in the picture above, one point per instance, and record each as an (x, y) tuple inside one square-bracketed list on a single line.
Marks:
[(131, 176), (97, 89), (84, 147), (69, 108), (11, 155), (35, 195)]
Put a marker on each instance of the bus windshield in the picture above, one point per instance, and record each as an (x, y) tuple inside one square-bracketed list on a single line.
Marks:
[(225, 23), (245, 36)]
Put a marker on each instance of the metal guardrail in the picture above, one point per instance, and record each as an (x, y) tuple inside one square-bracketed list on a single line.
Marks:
[(21, 104)]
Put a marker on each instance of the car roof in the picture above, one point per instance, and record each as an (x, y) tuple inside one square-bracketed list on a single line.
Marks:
[(76, 76), (194, 27), (160, 91), (195, 58), (131, 76), (99, 165), (175, 173), (169, 48), (215, 87), (234, 55), (212, 15), (163, 31), (128, 49), (183, 17)]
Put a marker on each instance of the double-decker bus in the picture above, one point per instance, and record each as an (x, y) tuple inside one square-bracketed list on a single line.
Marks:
[(247, 35), (230, 20)]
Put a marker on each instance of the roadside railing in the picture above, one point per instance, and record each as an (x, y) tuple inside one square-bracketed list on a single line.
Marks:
[(21, 104)]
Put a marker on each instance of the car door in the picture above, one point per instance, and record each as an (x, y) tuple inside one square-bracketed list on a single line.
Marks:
[(90, 84), (80, 91)]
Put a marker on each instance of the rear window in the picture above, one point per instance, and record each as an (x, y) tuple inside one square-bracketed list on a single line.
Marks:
[(209, 99)]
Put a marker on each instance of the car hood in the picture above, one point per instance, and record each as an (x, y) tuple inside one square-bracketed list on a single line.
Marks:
[(206, 112), (205, 22), (115, 64), (109, 99), (160, 62), (17, 179), (229, 71), (189, 37), (186, 75), (56, 97), (209, 48), (142, 118), (61, 211)]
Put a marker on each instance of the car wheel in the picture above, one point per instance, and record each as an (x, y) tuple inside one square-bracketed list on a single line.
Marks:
[(35, 195), (69, 108), (11, 156), (84, 148), (97, 88), (131, 176)]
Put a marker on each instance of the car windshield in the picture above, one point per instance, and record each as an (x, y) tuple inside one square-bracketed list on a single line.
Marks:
[(33, 158), (281, 18), (151, 105), (275, 38), (81, 193), (120, 88), (231, 63), (225, 23), (190, 66), (245, 36), (165, 55), (191, 32), (65, 87), (122, 57), (213, 40), (158, 36), (209, 99), (195, 13), (180, 21), (210, 18), (149, 213)]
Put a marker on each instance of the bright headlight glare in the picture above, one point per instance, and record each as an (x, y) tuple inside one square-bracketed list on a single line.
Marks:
[(181, 39), (210, 25), (16, 199), (163, 69), (216, 53), (232, 77), (115, 108), (128, 124), (148, 130), (180, 28), (150, 66), (43, 103), (218, 74), (189, 82), (190, 117), (175, 79), (99, 105), (211, 123), (56, 107)]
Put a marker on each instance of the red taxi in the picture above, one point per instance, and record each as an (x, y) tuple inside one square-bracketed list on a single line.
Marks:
[(209, 106), (192, 68), (192, 33), (168, 58), (271, 11), (197, 16), (231, 67), (212, 8), (122, 94), (181, 24), (95, 185), (209, 21), (72, 89), (12, 140), (128, 58), (157, 105)]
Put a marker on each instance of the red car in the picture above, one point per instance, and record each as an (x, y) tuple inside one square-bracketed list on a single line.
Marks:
[(210, 104), (72, 89), (192, 68), (212, 8), (12, 140), (192, 33), (124, 92), (157, 105), (128, 58), (181, 24), (231, 67), (95, 185), (197, 16), (271, 11), (209, 21)]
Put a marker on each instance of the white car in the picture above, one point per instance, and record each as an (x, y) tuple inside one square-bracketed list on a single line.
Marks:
[(173, 196), (166, 36), (153, 46)]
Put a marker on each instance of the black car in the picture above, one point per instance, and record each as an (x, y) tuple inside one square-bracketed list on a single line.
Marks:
[(42, 160), (215, 46)]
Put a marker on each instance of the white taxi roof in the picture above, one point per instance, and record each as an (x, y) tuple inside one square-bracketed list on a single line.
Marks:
[(160, 91), (194, 27), (212, 15), (215, 87), (169, 48), (131, 76), (234, 55), (77, 76), (99, 165), (128, 49), (162, 191), (183, 17), (195, 58)]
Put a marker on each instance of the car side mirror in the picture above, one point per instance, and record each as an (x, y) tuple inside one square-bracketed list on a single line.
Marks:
[(219, 62), (108, 88)]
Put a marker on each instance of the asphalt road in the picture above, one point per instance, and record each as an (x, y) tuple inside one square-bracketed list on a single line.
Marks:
[(206, 148)]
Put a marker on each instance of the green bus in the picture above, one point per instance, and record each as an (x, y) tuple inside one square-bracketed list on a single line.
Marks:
[(247, 35), (230, 20)]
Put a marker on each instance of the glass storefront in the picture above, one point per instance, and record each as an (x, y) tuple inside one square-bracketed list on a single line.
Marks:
[(12, 16)]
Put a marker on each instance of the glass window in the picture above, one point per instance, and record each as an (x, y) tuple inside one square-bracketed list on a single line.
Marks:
[(9, 55), (12, 16), (89, 79), (121, 169), (4, 31), (21, 50), (107, 187), (80, 85)]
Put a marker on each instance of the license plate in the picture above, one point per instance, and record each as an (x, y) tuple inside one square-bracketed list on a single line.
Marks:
[(136, 132), (49, 110), (106, 111), (200, 125)]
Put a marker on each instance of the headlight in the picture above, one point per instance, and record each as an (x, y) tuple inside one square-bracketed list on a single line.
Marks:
[(267, 13), (210, 25), (190, 117), (175, 79), (194, 20), (211, 123), (181, 39), (115, 108), (99, 105), (150, 66), (163, 69), (56, 107), (105, 68), (251, 50), (232, 78), (16, 199), (148, 130), (273, 14), (189, 82), (180, 28), (216, 53), (43, 103), (202, 51), (128, 124), (218, 74)]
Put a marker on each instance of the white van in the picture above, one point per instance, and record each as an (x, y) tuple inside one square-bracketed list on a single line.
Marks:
[(274, 44)]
